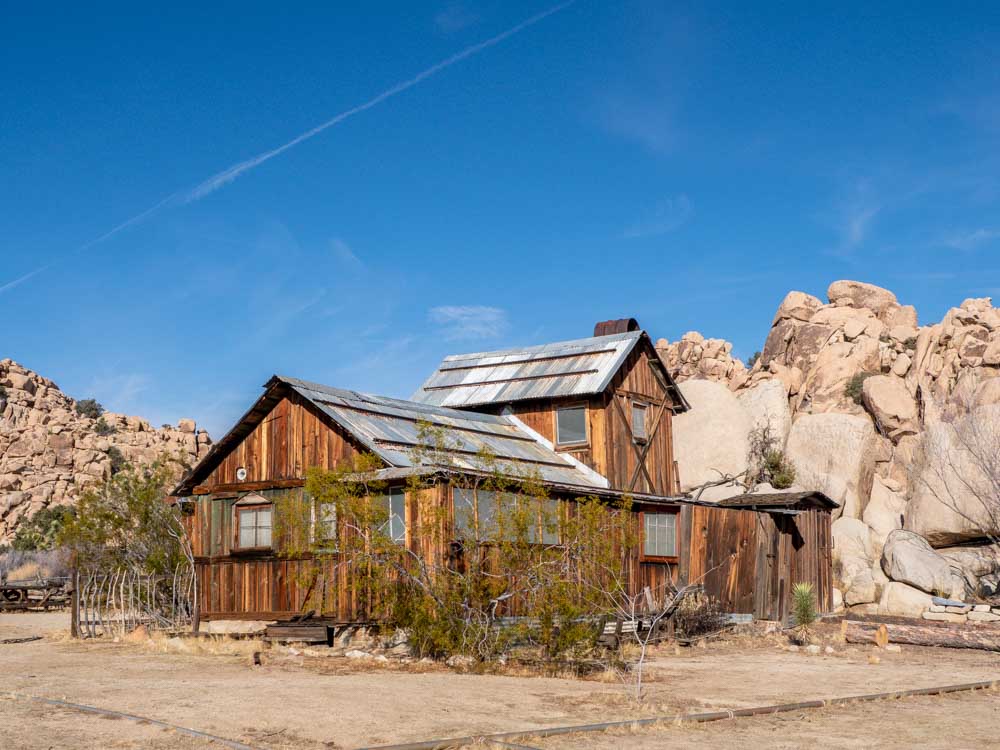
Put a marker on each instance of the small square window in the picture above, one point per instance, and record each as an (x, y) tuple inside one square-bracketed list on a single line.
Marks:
[(325, 524), (571, 425), (639, 421), (659, 534), (254, 526)]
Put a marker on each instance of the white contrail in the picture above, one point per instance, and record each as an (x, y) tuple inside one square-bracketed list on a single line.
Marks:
[(228, 175)]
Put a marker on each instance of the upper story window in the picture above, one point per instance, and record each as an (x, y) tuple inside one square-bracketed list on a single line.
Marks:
[(639, 421), (325, 524), (659, 537), (571, 425), (395, 524), (253, 526)]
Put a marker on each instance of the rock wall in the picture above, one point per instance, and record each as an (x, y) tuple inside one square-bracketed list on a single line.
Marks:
[(49, 452), (880, 413)]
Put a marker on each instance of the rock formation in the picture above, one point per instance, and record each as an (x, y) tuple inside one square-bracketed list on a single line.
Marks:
[(897, 422), (49, 452)]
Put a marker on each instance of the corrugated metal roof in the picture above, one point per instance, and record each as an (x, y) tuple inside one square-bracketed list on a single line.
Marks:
[(567, 368), (392, 429)]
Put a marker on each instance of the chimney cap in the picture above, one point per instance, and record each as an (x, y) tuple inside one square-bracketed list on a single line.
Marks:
[(622, 325)]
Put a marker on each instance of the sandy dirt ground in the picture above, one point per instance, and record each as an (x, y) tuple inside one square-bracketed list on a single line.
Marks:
[(294, 701)]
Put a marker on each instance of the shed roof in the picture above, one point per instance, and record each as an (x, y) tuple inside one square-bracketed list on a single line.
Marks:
[(568, 368), (806, 498), (392, 429)]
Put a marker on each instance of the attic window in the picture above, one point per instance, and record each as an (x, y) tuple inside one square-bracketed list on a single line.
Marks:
[(571, 425), (639, 421)]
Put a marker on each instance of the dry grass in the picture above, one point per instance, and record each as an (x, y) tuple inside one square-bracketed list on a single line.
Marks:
[(28, 566)]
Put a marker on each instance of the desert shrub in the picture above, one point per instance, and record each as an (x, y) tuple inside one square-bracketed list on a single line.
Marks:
[(17, 565), (118, 461), (460, 605), (766, 461), (699, 615), (855, 386), (803, 605), (910, 343), (3, 393), (41, 531), (103, 429), (752, 360), (88, 407), (123, 522)]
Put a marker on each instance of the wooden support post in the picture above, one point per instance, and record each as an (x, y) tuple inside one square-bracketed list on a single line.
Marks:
[(74, 622)]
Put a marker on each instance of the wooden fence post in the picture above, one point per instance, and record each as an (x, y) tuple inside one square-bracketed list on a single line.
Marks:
[(74, 626)]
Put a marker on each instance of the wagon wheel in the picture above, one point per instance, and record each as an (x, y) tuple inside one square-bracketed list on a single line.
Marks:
[(13, 595)]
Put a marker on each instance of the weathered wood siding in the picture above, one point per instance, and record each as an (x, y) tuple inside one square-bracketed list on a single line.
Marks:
[(749, 560), (611, 449), (292, 438)]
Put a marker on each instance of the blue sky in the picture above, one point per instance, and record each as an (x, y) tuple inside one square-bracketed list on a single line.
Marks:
[(683, 163)]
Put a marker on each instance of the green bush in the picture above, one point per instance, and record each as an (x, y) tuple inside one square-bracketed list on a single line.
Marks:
[(3, 393), (89, 408), (803, 605), (41, 530), (855, 386), (103, 429), (118, 461), (780, 471), (910, 343), (752, 360)]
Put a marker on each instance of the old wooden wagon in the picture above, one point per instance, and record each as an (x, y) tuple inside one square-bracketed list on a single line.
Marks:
[(589, 417)]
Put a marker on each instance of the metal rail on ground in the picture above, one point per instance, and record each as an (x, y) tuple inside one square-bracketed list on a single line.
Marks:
[(525, 735), (132, 717)]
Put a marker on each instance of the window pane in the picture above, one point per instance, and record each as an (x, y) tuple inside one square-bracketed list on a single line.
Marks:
[(571, 425), (326, 521), (638, 421), (395, 525), (550, 521), (660, 534), (487, 514), (247, 536), (465, 513)]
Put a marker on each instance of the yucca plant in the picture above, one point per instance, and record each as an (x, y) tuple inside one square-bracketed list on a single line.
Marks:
[(803, 609)]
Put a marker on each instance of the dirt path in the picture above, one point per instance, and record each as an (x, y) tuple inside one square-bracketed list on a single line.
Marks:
[(296, 702)]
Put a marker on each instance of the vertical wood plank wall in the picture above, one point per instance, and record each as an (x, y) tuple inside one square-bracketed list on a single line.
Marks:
[(291, 439), (749, 560)]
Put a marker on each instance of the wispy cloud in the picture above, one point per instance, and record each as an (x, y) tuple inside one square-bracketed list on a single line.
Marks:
[(343, 253), (220, 179), (649, 123), (454, 18), (971, 240), (855, 215), (118, 390), (469, 321), (668, 215), (226, 176)]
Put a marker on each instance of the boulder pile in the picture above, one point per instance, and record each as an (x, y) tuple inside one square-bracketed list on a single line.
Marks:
[(49, 452), (899, 423)]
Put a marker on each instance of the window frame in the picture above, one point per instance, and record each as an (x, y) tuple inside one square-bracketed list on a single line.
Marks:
[(672, 559), (387, 499), (644, 438), (255, 507), (586, 426), (480, 529)]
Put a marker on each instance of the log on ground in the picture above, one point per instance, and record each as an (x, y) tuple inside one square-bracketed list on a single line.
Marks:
[(952, 636)]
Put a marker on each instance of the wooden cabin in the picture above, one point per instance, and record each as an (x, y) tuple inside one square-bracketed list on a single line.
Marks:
[(590, 417)]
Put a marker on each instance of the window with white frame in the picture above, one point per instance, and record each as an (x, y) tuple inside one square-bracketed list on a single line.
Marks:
[(395, 524), (571, 425), (639, 421), (254, 526), (659, 534)]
